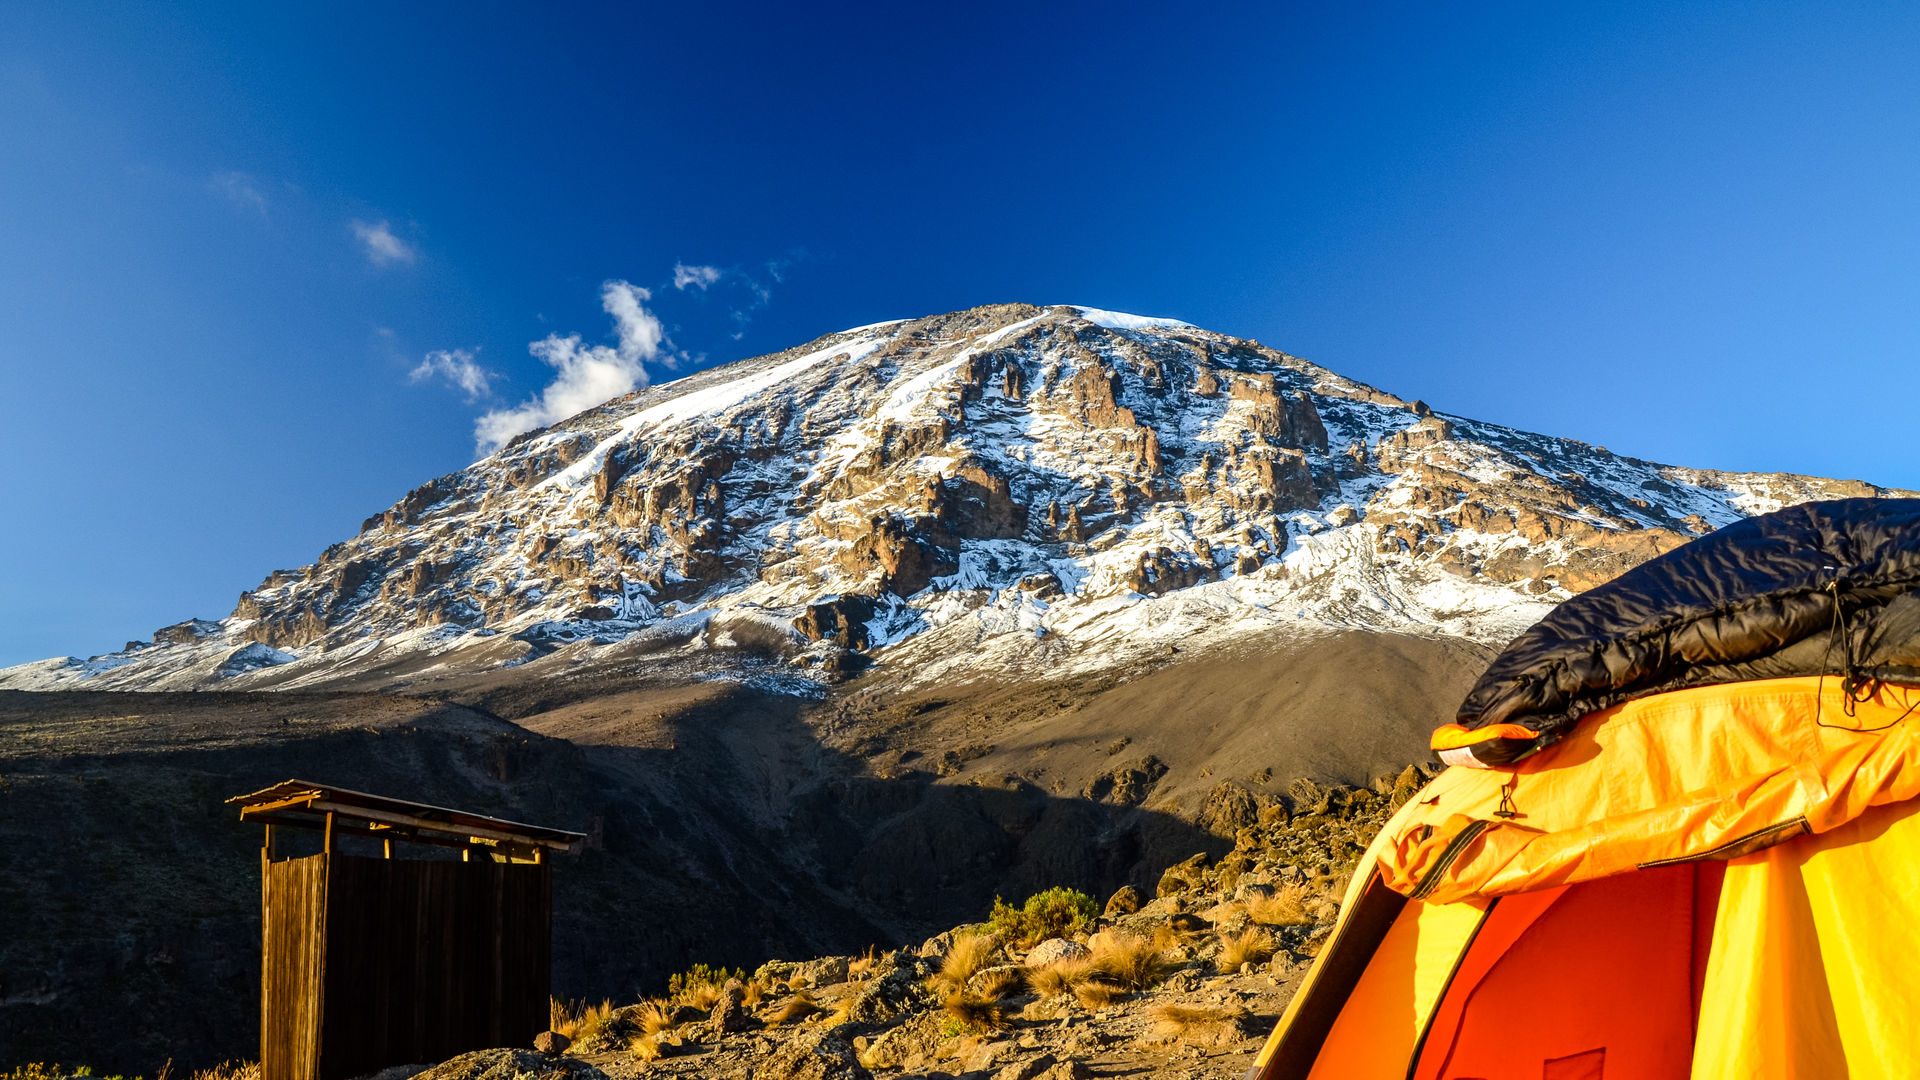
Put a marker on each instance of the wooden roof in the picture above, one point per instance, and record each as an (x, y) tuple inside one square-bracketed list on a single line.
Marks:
[(303, 804)]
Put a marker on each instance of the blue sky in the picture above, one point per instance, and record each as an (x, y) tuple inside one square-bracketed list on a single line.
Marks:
[(230, 235)]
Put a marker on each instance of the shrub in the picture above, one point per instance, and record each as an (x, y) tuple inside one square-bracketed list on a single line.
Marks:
[(699, 985), (1056, 912)]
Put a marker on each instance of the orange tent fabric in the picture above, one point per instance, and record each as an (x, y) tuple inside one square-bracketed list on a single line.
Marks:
[(1707, 883)]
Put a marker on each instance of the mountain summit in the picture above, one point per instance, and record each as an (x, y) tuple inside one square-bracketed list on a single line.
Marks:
[(1028, 490)]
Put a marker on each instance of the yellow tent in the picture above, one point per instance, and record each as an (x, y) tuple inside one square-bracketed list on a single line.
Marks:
[(1714, 882)]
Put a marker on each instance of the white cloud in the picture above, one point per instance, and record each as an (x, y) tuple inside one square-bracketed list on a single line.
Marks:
[(694, 277), (382, 247), (239, 189), (457, 367), (588, 374)]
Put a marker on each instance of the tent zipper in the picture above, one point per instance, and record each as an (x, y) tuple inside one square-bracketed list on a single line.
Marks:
[(1447, 856)]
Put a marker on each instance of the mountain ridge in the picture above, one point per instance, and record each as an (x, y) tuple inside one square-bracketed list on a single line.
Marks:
[(1039, 490)]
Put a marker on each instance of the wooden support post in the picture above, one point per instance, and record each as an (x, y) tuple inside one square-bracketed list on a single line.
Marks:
[(327, 845), (388, 846), (539, 855), (466, 854), (266, 846)]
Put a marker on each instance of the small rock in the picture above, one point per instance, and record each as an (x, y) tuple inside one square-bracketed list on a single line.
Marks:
[(1407, 784), (1124, 901), (730, 1012), (551, 1043), (1054, 950), (1186, 922), (1026, 1070), (1065, 1070)]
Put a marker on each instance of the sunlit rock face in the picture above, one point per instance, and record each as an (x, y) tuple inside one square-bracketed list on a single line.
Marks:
[(1010, 488)]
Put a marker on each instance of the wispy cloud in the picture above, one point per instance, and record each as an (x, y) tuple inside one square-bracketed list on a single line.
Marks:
[(694, 277), (744, 293), (239, 189), (458, 367), (587, 374), (382, 247)]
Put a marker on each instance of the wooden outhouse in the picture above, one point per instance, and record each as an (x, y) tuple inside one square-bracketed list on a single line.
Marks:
[(368, 960)]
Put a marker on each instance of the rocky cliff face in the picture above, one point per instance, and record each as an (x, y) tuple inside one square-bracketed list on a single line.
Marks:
[(1011, 488)]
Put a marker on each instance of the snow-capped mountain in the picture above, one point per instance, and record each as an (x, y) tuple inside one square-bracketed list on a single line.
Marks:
[(1006, 491)]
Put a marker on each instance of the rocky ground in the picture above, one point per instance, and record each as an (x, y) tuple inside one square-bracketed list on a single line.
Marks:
[(728, 825), (1185, 984)]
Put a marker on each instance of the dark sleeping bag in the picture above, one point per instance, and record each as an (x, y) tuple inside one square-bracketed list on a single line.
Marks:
[(1819, 588)]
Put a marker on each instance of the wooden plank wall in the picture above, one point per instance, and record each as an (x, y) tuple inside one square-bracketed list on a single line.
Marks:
[(429, 959), (292, 931)]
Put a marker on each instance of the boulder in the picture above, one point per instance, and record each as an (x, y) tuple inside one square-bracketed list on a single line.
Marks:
[(1124, 901), (1054, 950), (512, 1065), (1183, 876), (817, 1055), (824, 972), (729, 1014)]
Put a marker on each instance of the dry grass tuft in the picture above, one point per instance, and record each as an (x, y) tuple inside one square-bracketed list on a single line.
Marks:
[(1167, 937), (967, 956), (1098, 993), (646, 1047), (228, 1070), (861, 966), (798, 1007), (841, 1012), (578, 1020), (1287, 907), (1130, 961), (1251, 946), (702, 996), (977, 1011), (756, 992), (1059, 977), (654, 1016), (1002, 982), (1195, 1024)]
